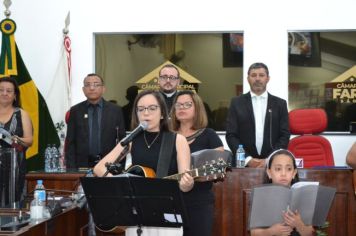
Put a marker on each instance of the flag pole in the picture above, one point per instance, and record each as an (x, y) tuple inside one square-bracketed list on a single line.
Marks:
[(13, 163), (7, 4), (66, 24)]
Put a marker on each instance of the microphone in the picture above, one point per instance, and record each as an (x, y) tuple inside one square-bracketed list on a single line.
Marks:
[(270, 127), (142, 126)]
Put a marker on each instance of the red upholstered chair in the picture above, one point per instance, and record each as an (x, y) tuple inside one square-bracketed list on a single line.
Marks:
[(67, 116), (315, 150)]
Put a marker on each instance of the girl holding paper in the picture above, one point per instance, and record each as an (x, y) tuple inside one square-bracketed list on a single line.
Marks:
[(281, 169)]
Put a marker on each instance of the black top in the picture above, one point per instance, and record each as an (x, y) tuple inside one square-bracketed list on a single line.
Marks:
[(294, 233), (14, 126), (148, 157), (201, 193), (169, 100)]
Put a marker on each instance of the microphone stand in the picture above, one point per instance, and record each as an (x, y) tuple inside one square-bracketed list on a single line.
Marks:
[(116, 168)]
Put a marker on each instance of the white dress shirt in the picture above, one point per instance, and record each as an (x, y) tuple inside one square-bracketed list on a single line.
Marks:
[(259, 105)]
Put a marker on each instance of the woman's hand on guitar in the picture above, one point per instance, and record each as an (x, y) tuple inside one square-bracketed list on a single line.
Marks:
[(186, 183)]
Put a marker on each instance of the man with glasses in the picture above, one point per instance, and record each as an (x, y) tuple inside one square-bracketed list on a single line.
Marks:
[(168, 81), (94, 126)]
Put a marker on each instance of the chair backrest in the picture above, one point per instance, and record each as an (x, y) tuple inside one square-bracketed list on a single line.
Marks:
[(315, 150), (67, 116)]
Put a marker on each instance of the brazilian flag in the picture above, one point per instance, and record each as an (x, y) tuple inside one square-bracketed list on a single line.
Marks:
[(12, 65)]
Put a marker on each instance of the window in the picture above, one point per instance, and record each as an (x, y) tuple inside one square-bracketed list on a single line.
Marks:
[(325, 76), (122, 59)]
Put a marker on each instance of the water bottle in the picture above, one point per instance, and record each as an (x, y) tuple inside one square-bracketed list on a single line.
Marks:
[(36, 208), (240, 157), (55, 158), (62, 162), (47, 159), (40, 191)]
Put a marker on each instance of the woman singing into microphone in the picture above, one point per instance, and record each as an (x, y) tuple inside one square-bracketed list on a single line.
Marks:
[(149, 106)]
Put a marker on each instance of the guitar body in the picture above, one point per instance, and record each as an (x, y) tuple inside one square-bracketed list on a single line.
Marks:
[(141, 171)]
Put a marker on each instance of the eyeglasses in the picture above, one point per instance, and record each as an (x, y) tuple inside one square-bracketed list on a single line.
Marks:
[(185, 105), (150, 109), (94, 85), (166, 77), (6, 90)]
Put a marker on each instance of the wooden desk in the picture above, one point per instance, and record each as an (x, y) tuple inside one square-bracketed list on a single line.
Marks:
[(354, 181), (63, 181), (232, 200), (71, 222), (59, 181)]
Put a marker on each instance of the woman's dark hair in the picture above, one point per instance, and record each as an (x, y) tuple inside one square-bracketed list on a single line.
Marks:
[(16, 102), (164, 125), (200, 117), (270, 159)]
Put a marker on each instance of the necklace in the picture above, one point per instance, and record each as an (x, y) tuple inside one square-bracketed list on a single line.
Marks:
[(154, 140), (195, 135)]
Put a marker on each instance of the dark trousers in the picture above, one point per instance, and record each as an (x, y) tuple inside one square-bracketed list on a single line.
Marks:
[(201, 219)]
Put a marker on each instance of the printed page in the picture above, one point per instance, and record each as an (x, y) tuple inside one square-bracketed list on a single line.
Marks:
[(304, 183), (303, 199), (323, 203), (268, 204)]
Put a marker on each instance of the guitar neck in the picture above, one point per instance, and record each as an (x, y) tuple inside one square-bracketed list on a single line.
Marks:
[(194, 173)]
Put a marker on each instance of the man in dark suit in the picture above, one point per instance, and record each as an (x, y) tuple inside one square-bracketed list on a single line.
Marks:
[(257, 119), (94, 126)]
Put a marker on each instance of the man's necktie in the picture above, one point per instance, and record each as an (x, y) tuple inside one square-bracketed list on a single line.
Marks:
[(94, 141)]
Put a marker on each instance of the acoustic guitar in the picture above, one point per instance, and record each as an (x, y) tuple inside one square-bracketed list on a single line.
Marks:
[(213, 170)]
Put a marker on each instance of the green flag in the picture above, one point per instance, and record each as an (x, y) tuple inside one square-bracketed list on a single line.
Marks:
[(12, 65)]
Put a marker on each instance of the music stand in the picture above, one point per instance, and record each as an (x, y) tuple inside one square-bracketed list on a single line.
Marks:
[(9, 177), (134, 201)]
